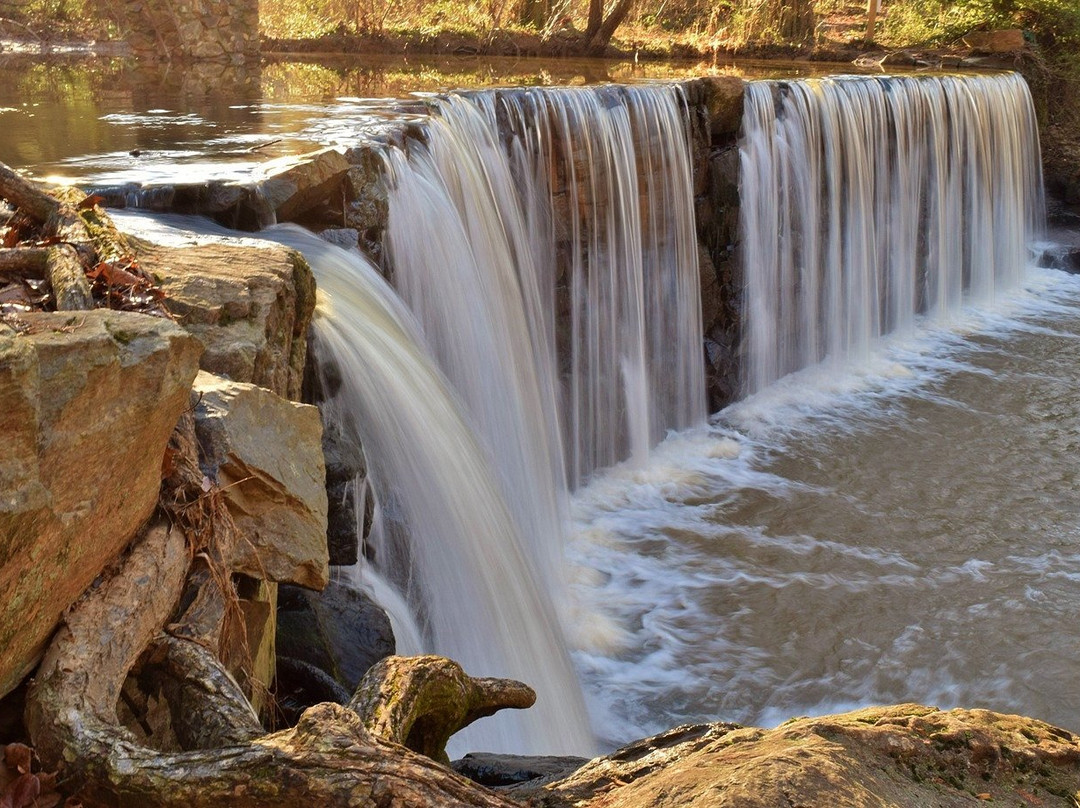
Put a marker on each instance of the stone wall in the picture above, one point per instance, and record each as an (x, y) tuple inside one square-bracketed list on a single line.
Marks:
[(220, 30)]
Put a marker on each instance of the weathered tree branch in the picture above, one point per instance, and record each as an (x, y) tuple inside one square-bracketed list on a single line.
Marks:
[(328, 759), (207, 706), (421, 701), (25, 196)]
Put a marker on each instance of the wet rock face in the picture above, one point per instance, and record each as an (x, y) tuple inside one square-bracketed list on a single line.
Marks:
[(87, 403), (715, 114), (886, 757), (339, 631), (495, 770)]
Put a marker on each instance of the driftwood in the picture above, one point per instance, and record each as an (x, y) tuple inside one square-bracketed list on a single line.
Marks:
[(26, 196), (330, 758), (420, 702)]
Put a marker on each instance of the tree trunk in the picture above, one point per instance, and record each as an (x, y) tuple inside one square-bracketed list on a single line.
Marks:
[(871, 19), (597, 41), (25, 196)]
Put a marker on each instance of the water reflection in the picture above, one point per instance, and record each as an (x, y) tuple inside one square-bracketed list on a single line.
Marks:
[(109, 121)]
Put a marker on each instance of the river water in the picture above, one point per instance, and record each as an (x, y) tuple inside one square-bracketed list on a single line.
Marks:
[(898, 528)]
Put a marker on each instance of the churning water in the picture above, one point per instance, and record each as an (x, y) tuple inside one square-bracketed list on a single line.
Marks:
[(905, 529)]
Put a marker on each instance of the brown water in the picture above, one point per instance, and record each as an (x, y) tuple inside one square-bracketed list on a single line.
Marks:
[(905, 530), (81, 120)]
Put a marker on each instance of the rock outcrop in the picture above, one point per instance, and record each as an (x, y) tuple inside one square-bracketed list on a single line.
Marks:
[(291, 186), (716, 106), (880, 757), (87, 403), (265, 453), (250, 306)]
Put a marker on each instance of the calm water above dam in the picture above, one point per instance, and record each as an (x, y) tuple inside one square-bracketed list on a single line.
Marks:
[(898, 527)]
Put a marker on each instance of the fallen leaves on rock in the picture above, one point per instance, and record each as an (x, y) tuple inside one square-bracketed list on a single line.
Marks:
[(23, 787), (124, 285), (116, 281)]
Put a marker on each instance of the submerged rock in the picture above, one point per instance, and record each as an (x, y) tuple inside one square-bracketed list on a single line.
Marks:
[(494, 770)]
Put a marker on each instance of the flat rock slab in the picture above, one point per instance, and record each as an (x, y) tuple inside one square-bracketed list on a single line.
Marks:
[(293, 185), (250, 306), (881, 757), (87, 403)]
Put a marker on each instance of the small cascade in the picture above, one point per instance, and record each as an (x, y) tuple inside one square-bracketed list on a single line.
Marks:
[(869, 201), (544, 241)]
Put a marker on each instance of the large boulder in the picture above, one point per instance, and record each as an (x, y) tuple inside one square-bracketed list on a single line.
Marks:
[(265, 453), (87, 404), (880, 757), (250, 305)]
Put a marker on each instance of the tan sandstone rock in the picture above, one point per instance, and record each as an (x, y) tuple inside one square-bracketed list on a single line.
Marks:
[(266, 453), (293, 185), (881, 757), (87, 403), (250, 306)]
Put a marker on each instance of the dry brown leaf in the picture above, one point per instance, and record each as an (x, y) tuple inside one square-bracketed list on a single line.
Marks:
[(18, 756)]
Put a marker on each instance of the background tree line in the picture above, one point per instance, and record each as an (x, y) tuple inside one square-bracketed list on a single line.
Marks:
[(699, 24)]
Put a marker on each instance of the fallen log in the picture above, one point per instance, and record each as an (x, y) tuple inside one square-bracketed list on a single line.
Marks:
[(26, 196), (24, 261)]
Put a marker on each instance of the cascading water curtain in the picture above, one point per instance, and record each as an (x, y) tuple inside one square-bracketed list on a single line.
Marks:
[(869, 201), (561, 221)]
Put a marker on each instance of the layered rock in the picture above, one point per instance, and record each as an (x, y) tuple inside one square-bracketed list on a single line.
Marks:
[(265, 453), (293, 186), (87, 403), (880, 757), (249, 305)]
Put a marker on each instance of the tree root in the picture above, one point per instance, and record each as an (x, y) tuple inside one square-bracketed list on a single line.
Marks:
[(330, 758), (420, 702)]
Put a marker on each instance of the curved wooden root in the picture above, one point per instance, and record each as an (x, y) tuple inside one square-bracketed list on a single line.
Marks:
[(421, 701), (329, 758)]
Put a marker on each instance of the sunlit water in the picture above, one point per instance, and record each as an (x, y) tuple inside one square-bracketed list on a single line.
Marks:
[(900, 530)]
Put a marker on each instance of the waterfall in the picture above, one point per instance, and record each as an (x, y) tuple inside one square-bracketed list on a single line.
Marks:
[(546, 238), (544, 244), (869, 201), (480, 604)]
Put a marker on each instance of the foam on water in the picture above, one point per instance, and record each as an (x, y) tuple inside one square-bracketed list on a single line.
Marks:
[(750, 574)]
